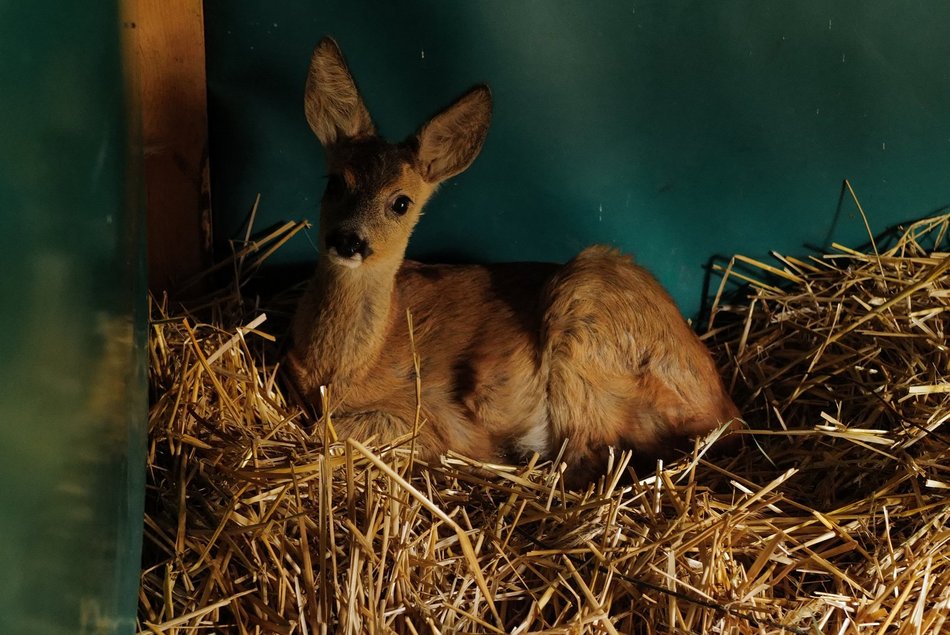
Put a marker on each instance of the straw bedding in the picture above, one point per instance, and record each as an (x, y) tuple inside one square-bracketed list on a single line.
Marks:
[(831, 517)]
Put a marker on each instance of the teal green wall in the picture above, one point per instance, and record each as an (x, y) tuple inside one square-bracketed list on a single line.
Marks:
[(676, 130), (72, 382)]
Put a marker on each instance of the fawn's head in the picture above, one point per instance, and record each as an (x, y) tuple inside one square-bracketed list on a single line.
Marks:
[(375, 189)]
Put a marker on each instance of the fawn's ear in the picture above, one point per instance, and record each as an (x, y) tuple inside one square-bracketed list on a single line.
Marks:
[(332, 103), (450, 141)]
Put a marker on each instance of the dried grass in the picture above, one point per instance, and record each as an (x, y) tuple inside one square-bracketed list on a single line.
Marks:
[(833, 517)]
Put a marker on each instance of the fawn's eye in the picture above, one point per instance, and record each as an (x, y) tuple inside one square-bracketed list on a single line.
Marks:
[(335, 186), (400, 204)]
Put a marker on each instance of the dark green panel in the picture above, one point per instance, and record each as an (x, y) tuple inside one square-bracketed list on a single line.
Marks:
[(72, 391), (676, 130)]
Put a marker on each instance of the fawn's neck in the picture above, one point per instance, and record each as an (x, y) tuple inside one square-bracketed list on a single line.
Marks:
[(342, 322)]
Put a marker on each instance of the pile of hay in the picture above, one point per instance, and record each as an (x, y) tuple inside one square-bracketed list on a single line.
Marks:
[(833, 517)]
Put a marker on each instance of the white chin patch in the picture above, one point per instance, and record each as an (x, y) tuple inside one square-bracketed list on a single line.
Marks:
[(353, 262)]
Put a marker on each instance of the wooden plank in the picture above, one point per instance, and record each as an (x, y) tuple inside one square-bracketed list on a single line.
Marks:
[(167, 58)]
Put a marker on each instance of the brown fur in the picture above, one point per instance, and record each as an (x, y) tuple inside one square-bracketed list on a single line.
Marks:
[(333, 105), (515, 358)]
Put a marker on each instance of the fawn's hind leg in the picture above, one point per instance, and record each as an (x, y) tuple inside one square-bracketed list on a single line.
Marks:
[(624, 368)]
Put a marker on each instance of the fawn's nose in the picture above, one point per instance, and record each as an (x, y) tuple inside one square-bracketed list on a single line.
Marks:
[(348, 244)]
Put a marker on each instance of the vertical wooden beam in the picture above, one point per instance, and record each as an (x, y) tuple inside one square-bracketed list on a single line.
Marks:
[(167, 47)]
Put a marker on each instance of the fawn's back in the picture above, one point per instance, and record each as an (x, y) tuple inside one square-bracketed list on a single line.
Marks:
[(513, 358)]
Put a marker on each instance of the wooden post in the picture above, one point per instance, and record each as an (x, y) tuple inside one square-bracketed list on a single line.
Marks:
[(166, 39)]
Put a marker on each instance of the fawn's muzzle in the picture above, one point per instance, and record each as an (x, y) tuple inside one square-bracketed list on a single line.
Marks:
[(348, 244)]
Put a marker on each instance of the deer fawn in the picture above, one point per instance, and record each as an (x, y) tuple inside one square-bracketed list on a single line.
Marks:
[(515, 358)]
